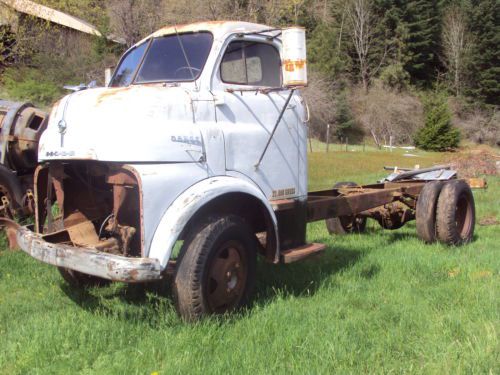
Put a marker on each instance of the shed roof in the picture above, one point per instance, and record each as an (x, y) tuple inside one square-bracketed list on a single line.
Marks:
[(55, 16)]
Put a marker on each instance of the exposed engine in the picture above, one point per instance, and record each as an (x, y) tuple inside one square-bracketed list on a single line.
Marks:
[(91, 204)]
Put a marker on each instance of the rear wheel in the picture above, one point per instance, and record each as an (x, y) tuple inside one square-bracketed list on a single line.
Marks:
[(216, 268), (425, 215), (345, 224), (456, 214)]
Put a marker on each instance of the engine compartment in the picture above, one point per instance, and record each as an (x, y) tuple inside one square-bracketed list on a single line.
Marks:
[(90, 204)]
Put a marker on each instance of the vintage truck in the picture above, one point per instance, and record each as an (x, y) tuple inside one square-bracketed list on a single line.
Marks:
[(192, 161)]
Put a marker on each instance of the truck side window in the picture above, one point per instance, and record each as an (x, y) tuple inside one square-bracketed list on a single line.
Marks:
[(251, 63)]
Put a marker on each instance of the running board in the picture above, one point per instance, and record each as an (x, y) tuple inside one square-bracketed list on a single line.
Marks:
[(301, 252)]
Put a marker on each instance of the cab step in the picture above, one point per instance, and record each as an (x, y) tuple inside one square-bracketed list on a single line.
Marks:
[(301, 252)]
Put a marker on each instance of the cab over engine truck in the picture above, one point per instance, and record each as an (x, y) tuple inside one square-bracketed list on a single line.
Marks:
[(192, 161)]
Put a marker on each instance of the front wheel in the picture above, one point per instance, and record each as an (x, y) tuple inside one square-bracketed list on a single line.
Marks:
[(216, 268)]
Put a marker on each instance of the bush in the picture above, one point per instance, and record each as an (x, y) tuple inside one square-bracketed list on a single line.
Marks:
[(385, 113), (438, 134), (395, 77), (29, 84)]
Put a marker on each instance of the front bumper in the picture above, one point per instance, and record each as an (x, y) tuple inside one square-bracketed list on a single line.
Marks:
[(88, 260)]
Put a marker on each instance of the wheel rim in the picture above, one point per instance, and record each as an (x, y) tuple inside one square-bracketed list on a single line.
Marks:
[(463, 216), (227, 277)]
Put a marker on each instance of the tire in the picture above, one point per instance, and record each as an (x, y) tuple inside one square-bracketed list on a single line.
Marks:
[(425, 215), (80, 280), (456, 213), (216, 268), (345, 224)]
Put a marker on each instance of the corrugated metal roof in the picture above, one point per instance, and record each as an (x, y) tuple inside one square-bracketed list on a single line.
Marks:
[(55, 16)]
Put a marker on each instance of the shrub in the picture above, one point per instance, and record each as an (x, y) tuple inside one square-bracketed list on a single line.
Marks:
[(30, 84), (395, 77), (438, 134), (385, 113)]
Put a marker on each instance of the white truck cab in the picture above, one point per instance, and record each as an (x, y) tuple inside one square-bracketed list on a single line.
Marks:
[(199, 140)]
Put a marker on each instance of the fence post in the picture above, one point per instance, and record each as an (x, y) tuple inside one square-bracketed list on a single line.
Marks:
[(327, 137)]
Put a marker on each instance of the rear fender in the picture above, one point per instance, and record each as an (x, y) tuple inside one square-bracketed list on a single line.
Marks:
[(187, 205)]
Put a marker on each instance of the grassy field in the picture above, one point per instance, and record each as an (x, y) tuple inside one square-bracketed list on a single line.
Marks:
[(379, 302)]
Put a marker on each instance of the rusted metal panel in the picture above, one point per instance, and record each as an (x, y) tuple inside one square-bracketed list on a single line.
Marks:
[(477, 183), (89, 260), (299, 253), (328, 207)]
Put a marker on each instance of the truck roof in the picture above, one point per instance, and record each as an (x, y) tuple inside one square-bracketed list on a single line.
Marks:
[(218, 28)]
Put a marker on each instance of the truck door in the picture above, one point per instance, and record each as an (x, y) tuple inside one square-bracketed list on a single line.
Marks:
[(249, 98)]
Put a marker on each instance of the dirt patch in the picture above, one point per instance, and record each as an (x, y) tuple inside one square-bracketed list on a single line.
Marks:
[(475, 163), (488, 220)]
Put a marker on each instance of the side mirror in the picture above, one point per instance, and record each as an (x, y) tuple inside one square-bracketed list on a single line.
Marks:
[(294, 57)]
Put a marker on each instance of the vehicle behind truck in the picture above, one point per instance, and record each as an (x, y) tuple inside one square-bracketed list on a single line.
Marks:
[(192, 162)]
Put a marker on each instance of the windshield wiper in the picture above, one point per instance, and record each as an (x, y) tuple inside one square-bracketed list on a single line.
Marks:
[(186, 57)]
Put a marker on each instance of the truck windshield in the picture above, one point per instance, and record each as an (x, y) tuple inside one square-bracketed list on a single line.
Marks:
[(172, 58)]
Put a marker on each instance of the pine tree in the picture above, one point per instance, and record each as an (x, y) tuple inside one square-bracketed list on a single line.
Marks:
[(485, 75), (422, 23), (412, 29), (323, 51), (344, 120), (438, 134)]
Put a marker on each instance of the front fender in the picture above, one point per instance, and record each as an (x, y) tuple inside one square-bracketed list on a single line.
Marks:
[(189, 202)]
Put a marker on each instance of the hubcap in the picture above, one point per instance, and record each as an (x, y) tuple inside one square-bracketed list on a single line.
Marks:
[(227, 277)]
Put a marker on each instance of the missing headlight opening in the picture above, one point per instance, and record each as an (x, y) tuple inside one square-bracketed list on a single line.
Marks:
[(89, 204)]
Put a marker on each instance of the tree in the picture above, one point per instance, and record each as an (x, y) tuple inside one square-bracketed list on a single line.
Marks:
[(485, 54), (438, 134), (456, 45), (324, 52), (422, 30), (134, 19), (362, 20)]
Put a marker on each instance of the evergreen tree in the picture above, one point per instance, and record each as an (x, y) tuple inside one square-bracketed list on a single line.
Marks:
[(438, 134), (324, 52), (421, 19), (485, 75), (344, 120), (412, 30)]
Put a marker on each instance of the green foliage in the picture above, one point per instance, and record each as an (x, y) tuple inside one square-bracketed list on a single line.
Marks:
[(344, 119), (324, 53), (381, 302), (395, 77), (30, 84), (438, 134), (485, 67), (413, 29)]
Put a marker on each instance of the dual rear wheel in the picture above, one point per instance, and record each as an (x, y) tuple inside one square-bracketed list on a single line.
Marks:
[(445, 212)]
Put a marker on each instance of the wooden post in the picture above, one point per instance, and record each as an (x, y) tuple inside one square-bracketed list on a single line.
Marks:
[(327, 137), (390, 143)]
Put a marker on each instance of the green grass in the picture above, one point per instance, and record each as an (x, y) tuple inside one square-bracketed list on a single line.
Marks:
[(380, 302)]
